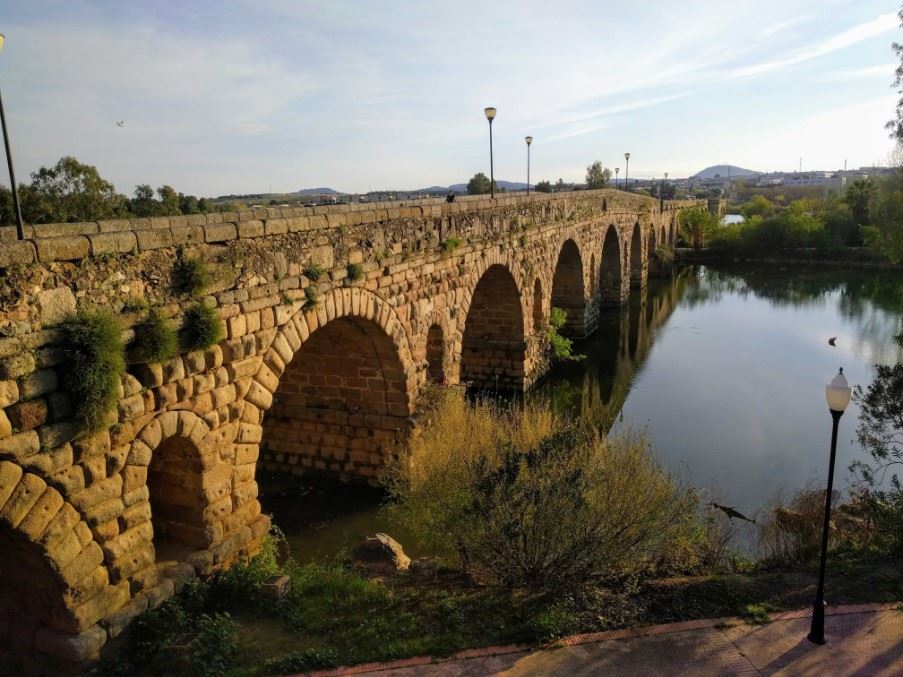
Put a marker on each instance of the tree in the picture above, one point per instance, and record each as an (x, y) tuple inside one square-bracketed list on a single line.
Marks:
[(885, 232), (543, 187), (478, 185), (758, 205), (69, 191), (169, 201), (696, 224), (596, 176), (858, 196), (143, 204), (896, 125), (560, 185), (189, 204)]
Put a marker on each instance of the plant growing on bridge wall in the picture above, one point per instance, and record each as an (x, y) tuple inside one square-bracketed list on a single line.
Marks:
[(201, 327), (450, 244), (95, 361), (313, 271), (311, 298), (560, 347), (155, 339), (355, 272), (190, 276)]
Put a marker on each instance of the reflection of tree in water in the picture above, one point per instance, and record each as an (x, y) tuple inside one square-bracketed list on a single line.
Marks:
[(871, 300), (596, 388)]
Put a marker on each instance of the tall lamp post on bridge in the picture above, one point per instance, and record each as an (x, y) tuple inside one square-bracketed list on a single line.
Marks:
[(838, 393), (617, 169), (627, 171), (529, 140), (20, 231), (490, 115), (661, 194)]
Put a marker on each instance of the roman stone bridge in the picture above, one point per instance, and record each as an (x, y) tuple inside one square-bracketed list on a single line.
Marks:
[(334, 320)]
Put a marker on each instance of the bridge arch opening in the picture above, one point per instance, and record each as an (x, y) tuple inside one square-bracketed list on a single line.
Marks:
[(177, 495), (592, 275), (493, 350), (537, 305), (637, 264), (341, 405), (567, 288), (435, 350), (610, 275)]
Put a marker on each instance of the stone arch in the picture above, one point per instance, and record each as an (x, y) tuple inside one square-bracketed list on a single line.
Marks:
[(189, 484), (592, 275), (653, 244), (435, 353), (538, 312), (51, 567), (567, 288), (611, 274), (637, 262), (493, 349)]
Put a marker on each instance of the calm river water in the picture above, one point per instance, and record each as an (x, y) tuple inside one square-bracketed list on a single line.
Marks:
[(725, 368)]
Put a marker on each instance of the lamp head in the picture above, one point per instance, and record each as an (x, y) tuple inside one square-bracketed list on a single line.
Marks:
[(617, 169), (626, 156), (838, 393), (528, 139), (2, 40), (490, 113)]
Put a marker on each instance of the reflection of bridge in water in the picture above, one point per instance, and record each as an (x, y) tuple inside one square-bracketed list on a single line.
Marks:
[(597, 387)]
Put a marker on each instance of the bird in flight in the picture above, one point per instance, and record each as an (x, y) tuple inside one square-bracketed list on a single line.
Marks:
[(731, 512), (120, 123), (831, 341)]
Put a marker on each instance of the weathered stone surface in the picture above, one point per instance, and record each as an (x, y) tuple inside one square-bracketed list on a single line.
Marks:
[(73, 648), (116, 622), (380, 554), (55, 304), (28, 415)]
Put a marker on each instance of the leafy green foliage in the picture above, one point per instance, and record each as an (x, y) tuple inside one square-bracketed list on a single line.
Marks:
[(311, 298), (95, 361), (305, 660), (155, 339), (596, 176), (560, 347), (479, 185), (201, 327), (543, 187), (450, 244), (696, 225), (355, 272), (191, 276), (313, 271), (885, 230)]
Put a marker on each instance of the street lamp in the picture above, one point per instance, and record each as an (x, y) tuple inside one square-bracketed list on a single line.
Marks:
[(20, 231), (490, 115), (626, 171), (529, 140), (617, 169), (838, 393)]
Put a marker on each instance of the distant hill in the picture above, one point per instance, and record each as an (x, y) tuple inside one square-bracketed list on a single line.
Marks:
[(317, 191), (462, 187), (724, 171)]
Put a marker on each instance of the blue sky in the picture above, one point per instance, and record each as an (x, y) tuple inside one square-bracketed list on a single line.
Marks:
[(233, 97)]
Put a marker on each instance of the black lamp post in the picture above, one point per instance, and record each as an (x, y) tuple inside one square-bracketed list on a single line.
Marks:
[(617, 169), (626, 171), (529, 140), (490, 115), (838, 394), (20, 231)]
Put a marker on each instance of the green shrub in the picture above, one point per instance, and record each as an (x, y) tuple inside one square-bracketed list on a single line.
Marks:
[(304, 660), (665, 254), (311, 298), (190, 276), (95, 361), (355, 272), (155, 339), (560, 347), (529, 499), (450, 244), (313, 271), (201, 327), (213, 650)]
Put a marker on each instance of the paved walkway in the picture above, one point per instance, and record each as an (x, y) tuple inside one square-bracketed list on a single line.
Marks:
[(863, 640)]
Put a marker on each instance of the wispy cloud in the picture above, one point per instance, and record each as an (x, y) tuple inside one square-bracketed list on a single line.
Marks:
[(883, 71)]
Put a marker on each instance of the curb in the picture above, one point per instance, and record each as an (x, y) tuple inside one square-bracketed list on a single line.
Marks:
[(589, 638)]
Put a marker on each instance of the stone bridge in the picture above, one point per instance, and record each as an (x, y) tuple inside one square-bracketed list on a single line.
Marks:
[(334, 320)]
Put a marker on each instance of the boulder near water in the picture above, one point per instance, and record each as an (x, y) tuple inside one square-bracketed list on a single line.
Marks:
[(380, 554)]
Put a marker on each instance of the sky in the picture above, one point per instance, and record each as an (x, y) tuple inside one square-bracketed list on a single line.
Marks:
[(278, 95)]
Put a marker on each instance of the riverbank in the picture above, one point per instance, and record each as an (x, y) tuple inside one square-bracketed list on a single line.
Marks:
[(850, 257), (335, 616)]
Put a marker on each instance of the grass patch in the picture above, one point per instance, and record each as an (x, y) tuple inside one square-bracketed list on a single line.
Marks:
[(201, 327), (311, 298), (355, 272), (450, 244), (313, 271), (191, 276), (95, 361), (155, 339)]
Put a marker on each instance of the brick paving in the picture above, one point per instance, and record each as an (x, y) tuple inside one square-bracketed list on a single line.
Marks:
[(864, 640)]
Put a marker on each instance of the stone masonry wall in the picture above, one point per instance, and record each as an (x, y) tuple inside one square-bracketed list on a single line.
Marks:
[(97, 528)]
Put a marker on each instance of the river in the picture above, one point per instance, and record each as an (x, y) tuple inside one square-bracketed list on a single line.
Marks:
[(725, 369)]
